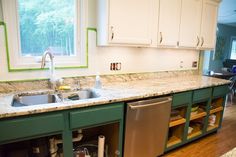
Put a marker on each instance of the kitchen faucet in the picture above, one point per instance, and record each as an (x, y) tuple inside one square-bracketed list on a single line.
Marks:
[(53, 79)]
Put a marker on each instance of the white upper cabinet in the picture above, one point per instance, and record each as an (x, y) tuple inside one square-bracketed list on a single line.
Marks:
[(209, 24), (190, 23), (157, 23), (169, 21), (125, 22)]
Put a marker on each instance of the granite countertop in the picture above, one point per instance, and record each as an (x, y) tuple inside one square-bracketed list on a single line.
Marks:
[(115, 92)]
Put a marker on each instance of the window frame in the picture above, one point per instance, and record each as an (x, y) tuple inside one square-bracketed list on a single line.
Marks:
[(233, 39), (19, 62)]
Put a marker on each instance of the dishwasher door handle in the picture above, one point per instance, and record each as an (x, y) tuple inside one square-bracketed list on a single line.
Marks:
[(133, 107)]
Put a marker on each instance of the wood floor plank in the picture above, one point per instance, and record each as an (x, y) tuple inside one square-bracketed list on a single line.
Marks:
[(213, 145)]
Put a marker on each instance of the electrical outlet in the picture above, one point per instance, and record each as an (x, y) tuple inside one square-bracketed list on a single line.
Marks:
[(115, 66), (181, 64), (194, 64)]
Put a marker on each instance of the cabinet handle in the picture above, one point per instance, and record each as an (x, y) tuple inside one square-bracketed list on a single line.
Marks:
[(112, 33), (202, 42), (161, 37), (198, 41)]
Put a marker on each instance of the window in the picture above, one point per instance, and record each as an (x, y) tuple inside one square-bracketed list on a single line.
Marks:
[(35, 26), (47, 25), (233, 48)]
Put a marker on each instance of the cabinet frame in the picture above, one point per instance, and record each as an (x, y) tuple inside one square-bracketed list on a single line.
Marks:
[(59, 122), (200, 95)]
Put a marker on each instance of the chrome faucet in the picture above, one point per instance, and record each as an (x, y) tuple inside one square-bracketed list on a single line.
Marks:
[(53, 79)]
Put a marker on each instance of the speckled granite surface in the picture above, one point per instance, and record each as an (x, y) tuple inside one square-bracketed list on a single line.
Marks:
[(116, 89)]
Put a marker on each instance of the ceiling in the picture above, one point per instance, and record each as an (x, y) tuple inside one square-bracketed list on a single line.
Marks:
[(227, 12)]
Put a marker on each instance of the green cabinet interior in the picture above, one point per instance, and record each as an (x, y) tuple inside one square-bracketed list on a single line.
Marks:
[(205, 97), (62, 122)]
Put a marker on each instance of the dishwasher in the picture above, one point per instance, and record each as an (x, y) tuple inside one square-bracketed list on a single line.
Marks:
[(146, 128)]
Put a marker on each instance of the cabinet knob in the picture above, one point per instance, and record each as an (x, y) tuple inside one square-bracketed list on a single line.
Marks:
[(198, 41), (202, 41), (161, 38)]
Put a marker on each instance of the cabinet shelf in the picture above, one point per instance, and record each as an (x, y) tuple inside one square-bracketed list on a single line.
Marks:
[(218, 109), (177, 122), (173, 141), (198, 115), (194, 134), (209, 128)]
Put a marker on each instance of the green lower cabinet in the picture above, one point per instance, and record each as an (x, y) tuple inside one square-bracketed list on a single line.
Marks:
[(178, 120), (203, 110), (104, 120), (26, 127)]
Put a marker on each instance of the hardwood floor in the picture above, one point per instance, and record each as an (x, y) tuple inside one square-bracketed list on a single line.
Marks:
[(213, 145)]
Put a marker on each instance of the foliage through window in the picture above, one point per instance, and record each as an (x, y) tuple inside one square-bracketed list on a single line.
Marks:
[(233, 49), (47, 24)]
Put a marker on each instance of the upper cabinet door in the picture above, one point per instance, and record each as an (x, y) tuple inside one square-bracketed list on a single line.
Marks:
[(190, 23), (209, 24), (130, 22), (169, 21)]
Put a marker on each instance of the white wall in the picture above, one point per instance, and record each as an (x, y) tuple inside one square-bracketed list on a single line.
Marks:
[(132, 59)]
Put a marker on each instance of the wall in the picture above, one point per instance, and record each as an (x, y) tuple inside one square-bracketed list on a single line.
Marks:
[(132, 59), (226, 32)]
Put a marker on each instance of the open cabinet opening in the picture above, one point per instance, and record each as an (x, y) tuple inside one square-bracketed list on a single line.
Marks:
[(217, 105), (214, 121), (198, 110), (176, 126), (195, 127), (175, 135), (38, 147), (178, 116), (92, 141)]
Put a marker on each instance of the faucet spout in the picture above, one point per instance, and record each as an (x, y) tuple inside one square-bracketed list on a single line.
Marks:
[(52, 68)]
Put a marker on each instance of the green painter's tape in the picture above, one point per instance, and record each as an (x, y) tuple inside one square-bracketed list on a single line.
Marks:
[(10, 69)]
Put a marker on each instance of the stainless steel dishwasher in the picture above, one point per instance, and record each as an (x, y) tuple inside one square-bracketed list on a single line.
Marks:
[(146, 128)]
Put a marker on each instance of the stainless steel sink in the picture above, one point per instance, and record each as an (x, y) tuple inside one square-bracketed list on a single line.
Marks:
[(80, 94), (21, 100), (28, 100)]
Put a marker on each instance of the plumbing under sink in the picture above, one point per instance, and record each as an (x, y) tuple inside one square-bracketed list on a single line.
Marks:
[(28, 100)]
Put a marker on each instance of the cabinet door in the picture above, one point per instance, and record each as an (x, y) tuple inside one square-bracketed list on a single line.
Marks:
[(209, 24), (169, 21), (130, 22), (190, 23)]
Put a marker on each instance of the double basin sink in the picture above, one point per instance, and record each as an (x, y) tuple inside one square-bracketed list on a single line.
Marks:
[(21, 100)]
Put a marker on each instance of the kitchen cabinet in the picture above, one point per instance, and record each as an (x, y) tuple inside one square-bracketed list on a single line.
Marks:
[(198, 24), (125, 22), (187, 24), (209, 24), (103, 119), (169, 21), (200, 109), (177, 125), (190, 23), (200, 112)]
